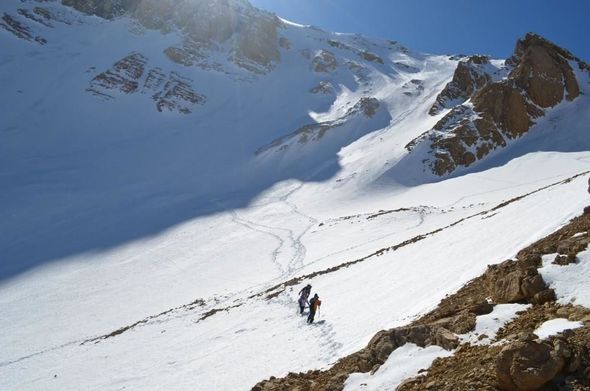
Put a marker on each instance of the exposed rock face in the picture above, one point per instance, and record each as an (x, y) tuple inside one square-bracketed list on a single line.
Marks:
[(12, 25), (324, 87), (324, 62), (364, 54), (528, 365), (470, 75), (365, 107), (107, 9), (512, 282), (251, 34), (502, 110), (371, 357), (170, 92), (123, 76), (413, 88)]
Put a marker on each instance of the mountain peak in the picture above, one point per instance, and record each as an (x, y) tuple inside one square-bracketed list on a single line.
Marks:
[(247, 33), (539, 76)]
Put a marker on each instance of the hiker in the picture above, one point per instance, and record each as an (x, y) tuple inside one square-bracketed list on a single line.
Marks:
[(314, 305), (303, 295)]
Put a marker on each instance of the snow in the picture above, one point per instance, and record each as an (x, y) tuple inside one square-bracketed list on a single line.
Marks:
[(555, 326), (488, 325), (112, 213), (570, 282), (405, 362)]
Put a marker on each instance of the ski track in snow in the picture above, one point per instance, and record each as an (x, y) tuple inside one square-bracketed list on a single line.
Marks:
[(327, 340), (287, 238), (267, 231)]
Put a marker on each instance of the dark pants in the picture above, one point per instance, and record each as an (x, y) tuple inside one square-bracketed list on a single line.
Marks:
[(311, 316), (302, 302)]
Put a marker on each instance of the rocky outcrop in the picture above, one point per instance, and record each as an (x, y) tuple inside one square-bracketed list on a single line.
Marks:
[(170, 92), (324, 87), (249, 35), (528, 364), (470, 75), (513, 282), (363, 53), (367, 360), (365, 108), (324, 62), (413, 87), (542, 76), (107, 9), (19, 29), (123, 76)]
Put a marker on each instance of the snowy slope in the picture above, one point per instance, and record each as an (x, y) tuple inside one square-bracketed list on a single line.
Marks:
[(113, 213)]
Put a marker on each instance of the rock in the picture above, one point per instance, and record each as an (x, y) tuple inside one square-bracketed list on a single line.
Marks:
[(511, 282), (480, 308), (501, 110), (561, 348), (445, 339), (284, 43), (532, 285), (507, 289), (384, 350), (527, 365), (171, 91), (250, 34), (526, 336), (20, 30), (530, 260), (545, 296), (574, 363), (470, 75), (370, 57), (324, 62), (324, 87), (544, 71), (460, 324), (571, 246), (564, 260)]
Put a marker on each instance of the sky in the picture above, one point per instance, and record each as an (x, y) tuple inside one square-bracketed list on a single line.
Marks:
[(448, 27)]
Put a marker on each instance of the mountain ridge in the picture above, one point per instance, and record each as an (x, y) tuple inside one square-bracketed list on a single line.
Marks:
[(184, 181)]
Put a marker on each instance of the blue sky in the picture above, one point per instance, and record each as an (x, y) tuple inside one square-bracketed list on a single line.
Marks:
[(458, 26)]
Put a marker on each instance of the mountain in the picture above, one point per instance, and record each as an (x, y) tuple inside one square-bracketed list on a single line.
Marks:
[(505, 101), (173, 172)]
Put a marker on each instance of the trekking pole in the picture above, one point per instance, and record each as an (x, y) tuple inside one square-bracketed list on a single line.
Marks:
[(319, 308)]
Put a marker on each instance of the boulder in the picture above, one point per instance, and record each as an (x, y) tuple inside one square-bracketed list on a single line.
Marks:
[(527, 365), (512, 282), (507, 289)]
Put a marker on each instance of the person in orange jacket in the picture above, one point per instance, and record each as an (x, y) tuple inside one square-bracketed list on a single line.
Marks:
[(314, 305)]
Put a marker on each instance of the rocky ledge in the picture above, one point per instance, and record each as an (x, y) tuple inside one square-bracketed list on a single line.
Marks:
[(541, 76), (365, 108), (249, 35), (170, 92)]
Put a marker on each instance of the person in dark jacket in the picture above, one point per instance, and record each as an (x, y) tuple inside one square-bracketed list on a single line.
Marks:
[(314, 305), (303, 295)]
